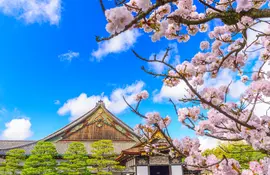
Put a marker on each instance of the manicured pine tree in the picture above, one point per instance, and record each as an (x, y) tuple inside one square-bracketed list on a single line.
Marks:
[(75, 160), (41, 160), (103, 158), (14, 162), (240, 151)]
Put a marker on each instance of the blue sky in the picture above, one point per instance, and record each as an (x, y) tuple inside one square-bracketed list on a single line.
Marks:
[(37, 78)]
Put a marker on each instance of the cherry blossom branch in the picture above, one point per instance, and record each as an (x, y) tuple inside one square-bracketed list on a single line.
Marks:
[(213, 164), (135, 20), (209, 6), (226, 49), (144, 117), (207, 134), (253, 108), (102, 6), (225, 16), (181, 20), (194, 91), (119, 2)]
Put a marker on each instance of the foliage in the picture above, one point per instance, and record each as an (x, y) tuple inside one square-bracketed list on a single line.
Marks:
[(232, 42), (239, 151), (14, 162), (41, 160), (103, 156), (75, 160)]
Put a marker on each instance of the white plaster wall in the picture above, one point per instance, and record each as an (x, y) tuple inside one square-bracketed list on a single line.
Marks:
[(142, 170), (177, 170)]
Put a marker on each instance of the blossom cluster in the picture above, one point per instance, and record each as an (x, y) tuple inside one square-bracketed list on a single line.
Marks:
[(142, 95), (258, 168), (228, 47), (118, 18), (192, 113), (190, 147), (153, 118)]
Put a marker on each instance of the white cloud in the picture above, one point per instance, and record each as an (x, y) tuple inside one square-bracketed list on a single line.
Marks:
[(226, 76), (17, 129), (78, 106), (261, 27), (117, 44), (33, 10), (237, 88), (159, 67), (69, 56), (208, 142), (252, 36), (262, 109), (174, 93), (180, 91)]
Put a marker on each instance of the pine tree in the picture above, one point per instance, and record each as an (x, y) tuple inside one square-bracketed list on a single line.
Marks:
[(14, 162), (75, 160), (240, 151), (41, 160), (103, 158)]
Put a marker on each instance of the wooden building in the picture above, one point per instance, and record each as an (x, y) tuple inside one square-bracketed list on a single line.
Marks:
[(97, 124), (143, 163)]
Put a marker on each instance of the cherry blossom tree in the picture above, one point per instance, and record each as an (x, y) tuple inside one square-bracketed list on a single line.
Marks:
[(228, 47)]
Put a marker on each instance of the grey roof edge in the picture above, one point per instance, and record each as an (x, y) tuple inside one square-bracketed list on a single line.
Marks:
[(18, 146), (73, 123), (18, 140)]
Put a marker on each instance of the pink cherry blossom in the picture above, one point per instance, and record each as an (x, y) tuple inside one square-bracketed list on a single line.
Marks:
[(243, 5), (244, 78), (208, 109), (140, 4), (152, 118), (142, 95), (256, 167), (204, 45), (247, 172), (118, 18)]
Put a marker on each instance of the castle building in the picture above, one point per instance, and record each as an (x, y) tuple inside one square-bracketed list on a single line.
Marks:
[(98, 124)]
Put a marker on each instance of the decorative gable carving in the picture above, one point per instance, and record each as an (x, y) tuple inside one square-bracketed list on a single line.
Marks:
[(99, 125)]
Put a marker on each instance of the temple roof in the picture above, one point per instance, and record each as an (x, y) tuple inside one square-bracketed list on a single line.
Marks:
[(84, 129), (100, 107), (138, 149)]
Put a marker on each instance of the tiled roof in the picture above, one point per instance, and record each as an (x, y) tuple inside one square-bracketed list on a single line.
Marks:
[(5, 144), (138, 148), (61, 146), (100, 104)]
